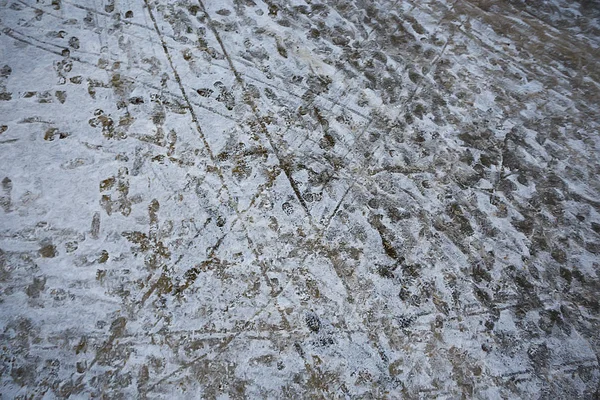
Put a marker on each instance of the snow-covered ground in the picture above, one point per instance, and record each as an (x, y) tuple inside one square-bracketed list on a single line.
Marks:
[(299, 199)]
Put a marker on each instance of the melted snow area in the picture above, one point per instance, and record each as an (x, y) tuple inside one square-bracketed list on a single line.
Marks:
[(350, 199)]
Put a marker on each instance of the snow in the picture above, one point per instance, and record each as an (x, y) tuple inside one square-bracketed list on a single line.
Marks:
[(293, 199)]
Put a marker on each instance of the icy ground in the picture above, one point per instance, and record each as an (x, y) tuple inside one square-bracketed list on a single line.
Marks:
[(299, 199)]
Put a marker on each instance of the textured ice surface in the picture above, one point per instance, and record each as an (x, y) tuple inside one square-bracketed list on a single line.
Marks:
[(299, 199)]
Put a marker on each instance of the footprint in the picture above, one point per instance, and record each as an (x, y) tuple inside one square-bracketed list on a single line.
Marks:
[(5, 71), (5, 200), (74, 42), (94, 232), (287, 208)]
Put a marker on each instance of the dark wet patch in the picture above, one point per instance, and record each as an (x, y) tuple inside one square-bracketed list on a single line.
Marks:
[(48, 251), (36, 287)]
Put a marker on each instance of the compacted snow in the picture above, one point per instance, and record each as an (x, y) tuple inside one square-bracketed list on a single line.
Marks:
[(299, 199)]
